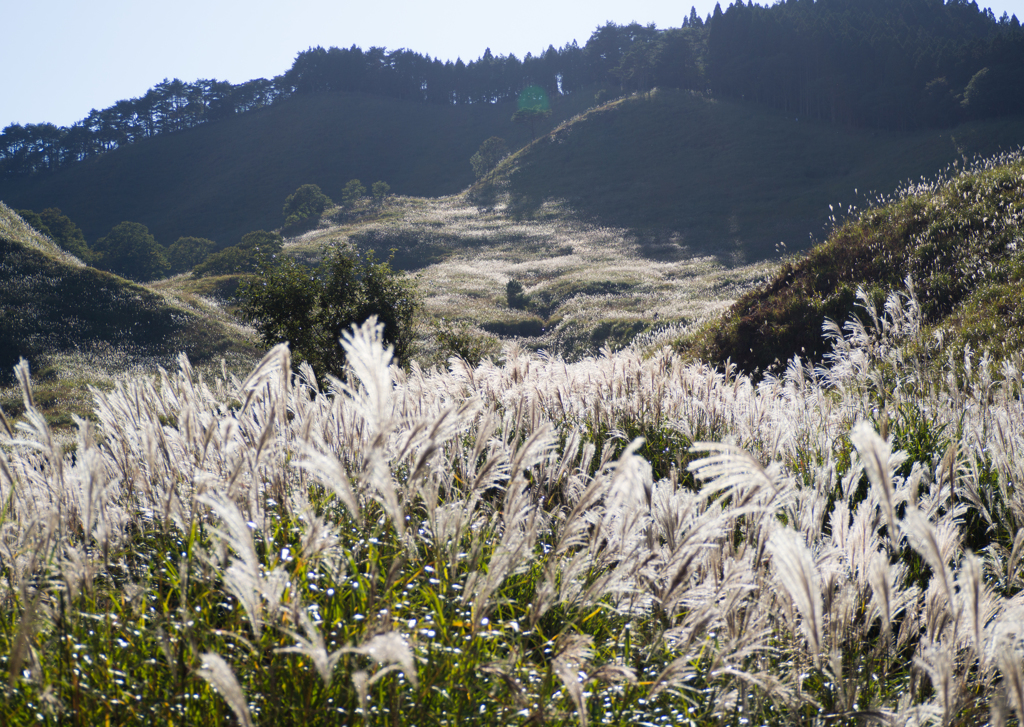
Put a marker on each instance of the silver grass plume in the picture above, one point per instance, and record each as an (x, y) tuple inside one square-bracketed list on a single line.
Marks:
[(1009, 661), (313, 646), (975, 601), (573, 653), (391, 650), (327, 469), (937, 661), (796, 571), (879, 462), (220, 676), (369, 362), (926, 540)]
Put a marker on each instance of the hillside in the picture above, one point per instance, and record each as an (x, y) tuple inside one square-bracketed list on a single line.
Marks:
[(223, 179), (51, 305), (728, 178), (717, 176), (959, 238)]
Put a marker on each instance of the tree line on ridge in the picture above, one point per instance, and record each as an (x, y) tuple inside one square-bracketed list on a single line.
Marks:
[(892, 64)]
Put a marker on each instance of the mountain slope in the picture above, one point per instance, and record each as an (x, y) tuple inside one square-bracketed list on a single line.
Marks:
[(50, 303), (728, 178), (960, 240), (223, 179)]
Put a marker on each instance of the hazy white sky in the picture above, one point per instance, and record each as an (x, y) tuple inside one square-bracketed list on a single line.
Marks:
[(61, 58)]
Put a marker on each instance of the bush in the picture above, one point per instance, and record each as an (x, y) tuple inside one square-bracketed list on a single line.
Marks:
[(240, 258), (458, 339), (132, 252), (306, 202), (58, 227), (352, 193), (380, 191), (187, 252), (516, 297), (488, 155), (310, 307)]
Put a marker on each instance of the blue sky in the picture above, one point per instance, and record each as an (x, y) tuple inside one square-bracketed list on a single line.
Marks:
[(61, 58)]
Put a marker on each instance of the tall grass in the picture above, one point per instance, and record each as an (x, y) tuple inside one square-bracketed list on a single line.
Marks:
[(834, 545)]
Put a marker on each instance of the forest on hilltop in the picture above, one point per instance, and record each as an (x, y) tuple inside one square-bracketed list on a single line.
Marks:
[(893, 64)]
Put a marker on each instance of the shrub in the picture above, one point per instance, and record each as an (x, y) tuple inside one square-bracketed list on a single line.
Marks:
[(380, 192), (131, 251), (310, 307), (352, 193), (187, 252), (240, 258), (304, 203), (516, 297)]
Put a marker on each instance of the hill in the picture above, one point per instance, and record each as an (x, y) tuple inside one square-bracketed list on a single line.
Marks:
[(225, 178), (726, 177), (51, 305), (959, 238)]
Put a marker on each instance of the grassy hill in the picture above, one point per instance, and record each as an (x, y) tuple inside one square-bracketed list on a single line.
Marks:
[(226, 178), (724, 177), (960, 239), (715, 176), (77, 325)]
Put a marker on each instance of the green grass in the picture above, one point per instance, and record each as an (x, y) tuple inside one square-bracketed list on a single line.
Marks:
[(958, 237)]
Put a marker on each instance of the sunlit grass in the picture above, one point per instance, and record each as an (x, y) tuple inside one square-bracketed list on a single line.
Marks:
[(587, 286)]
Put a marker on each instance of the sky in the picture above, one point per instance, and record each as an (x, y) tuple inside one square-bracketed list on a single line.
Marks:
[(61, 58)]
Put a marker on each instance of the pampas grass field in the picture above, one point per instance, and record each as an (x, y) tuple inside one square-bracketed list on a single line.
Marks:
[(626, 539)]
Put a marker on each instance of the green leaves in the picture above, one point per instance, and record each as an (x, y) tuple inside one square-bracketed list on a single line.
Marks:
[(309, 308)]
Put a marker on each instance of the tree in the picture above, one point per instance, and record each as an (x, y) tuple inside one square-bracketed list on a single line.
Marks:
[(268, 243), (240, 258), (516, 295), (131, 251), (304, 203), (380, 192), (67, 234), (310, 307), (491, 152), (352, 193), (58, 227), (187, 252), (533, 105)]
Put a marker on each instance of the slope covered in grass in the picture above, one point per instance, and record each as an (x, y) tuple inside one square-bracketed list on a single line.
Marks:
[(223, 179), (960, 240), (724, 177), (491, 545), (585, 287), (51, 304)]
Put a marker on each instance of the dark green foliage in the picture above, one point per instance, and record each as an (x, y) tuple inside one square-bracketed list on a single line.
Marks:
[(311, 307), (129, 250), (187, 252), (305, 203), (458, 339), (262, 241), (58, 227), (47, 307), (530, 117), (380, 192), (486, 158), (515, 295), (221, 180), (240, 258), (352, 193), (697, 175)]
